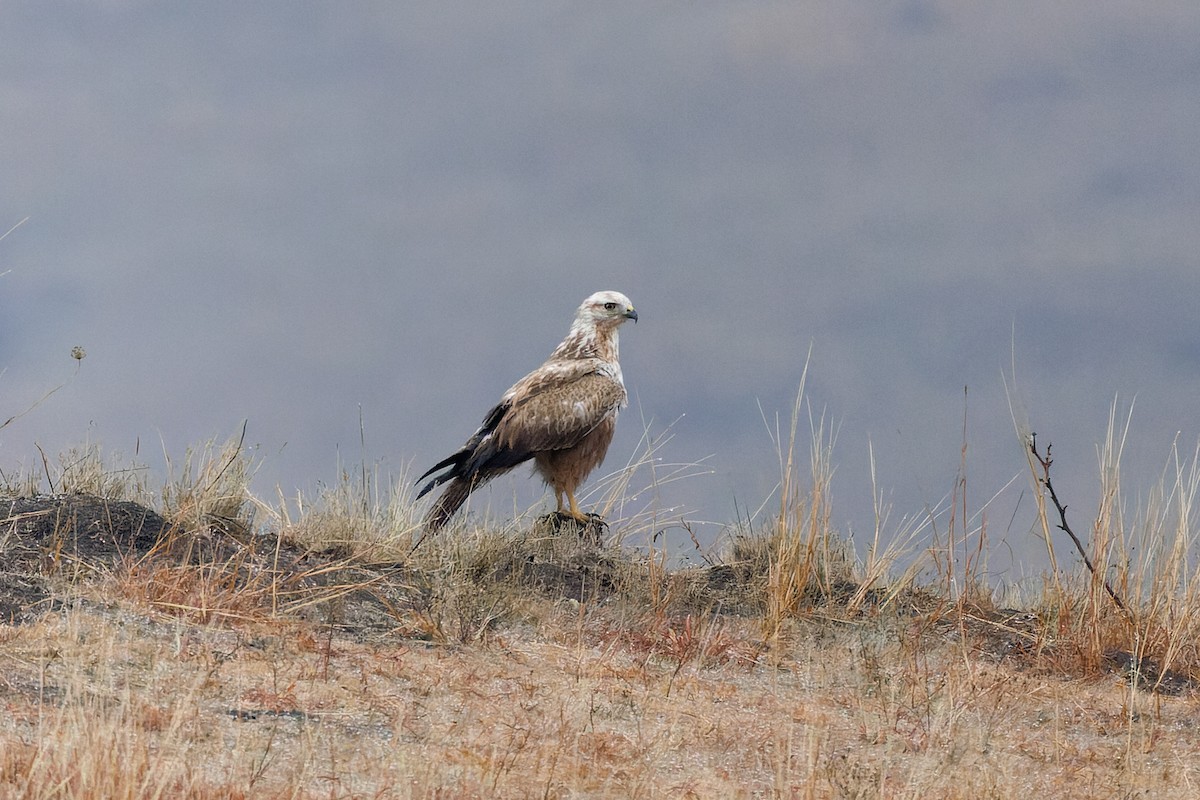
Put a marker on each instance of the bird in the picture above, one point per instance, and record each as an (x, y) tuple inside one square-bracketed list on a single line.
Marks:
[(562, 416)]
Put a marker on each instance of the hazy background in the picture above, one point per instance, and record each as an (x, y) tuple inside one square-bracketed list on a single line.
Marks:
[(283, 212)]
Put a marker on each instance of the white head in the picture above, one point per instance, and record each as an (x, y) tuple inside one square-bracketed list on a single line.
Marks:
[(593, 334), (606, 310)]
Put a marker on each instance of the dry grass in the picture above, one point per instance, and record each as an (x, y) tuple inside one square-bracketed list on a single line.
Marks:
[(1140, 602), (300, 649), (110, 702)]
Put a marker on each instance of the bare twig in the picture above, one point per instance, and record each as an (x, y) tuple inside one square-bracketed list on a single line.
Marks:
[(1045, 462)]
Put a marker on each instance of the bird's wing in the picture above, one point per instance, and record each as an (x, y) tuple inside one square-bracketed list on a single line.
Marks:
[(554, 410)]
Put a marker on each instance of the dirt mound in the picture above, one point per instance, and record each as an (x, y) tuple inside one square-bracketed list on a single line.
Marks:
[(48, 542), (44, 535), (77, 525)]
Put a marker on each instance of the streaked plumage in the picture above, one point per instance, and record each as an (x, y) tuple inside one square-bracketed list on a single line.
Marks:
[(562, 415)]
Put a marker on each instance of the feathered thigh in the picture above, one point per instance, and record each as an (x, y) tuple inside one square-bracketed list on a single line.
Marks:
[(564, 470)]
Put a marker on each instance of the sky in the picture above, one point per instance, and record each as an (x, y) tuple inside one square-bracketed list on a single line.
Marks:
[(351, 226)]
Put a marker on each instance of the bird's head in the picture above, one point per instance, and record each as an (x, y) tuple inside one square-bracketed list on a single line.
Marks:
[(607, 309)]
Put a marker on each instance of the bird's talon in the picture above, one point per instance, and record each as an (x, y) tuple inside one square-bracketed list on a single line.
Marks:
[(593, 523)]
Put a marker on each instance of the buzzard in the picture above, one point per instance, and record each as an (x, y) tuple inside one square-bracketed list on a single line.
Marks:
[(562, 415)]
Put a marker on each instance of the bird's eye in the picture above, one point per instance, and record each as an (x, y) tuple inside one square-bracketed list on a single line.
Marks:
[(610, 306)]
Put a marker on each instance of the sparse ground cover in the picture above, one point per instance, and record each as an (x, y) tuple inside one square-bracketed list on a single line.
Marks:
[(103, 700), (197, 642)]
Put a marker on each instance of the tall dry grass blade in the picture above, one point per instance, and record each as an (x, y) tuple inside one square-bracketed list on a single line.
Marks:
[(630, 497), (804, 555), (1026, 436), (877, 570)]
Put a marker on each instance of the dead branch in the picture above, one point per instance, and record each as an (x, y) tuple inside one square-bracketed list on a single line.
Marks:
[(1065, 527)]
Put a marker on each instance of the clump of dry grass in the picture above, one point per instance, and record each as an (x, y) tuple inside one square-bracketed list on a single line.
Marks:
[(802, 559), (81, 470), (1134, 604), (368, 516), (211, 488)]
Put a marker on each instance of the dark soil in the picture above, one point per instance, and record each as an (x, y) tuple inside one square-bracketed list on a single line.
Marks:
[(44, 536)]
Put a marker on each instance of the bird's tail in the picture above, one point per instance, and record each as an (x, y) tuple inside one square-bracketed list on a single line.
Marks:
[(458, 488), (451, 500)]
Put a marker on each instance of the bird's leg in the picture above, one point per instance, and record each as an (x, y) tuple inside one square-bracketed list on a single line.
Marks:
[(571, 513), (579, 516)]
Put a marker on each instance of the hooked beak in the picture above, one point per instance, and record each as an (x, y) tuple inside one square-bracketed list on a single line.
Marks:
[(631, 314)]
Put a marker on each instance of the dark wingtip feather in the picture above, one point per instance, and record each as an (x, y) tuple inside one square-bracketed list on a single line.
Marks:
[(455, 459), (426, 488)]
